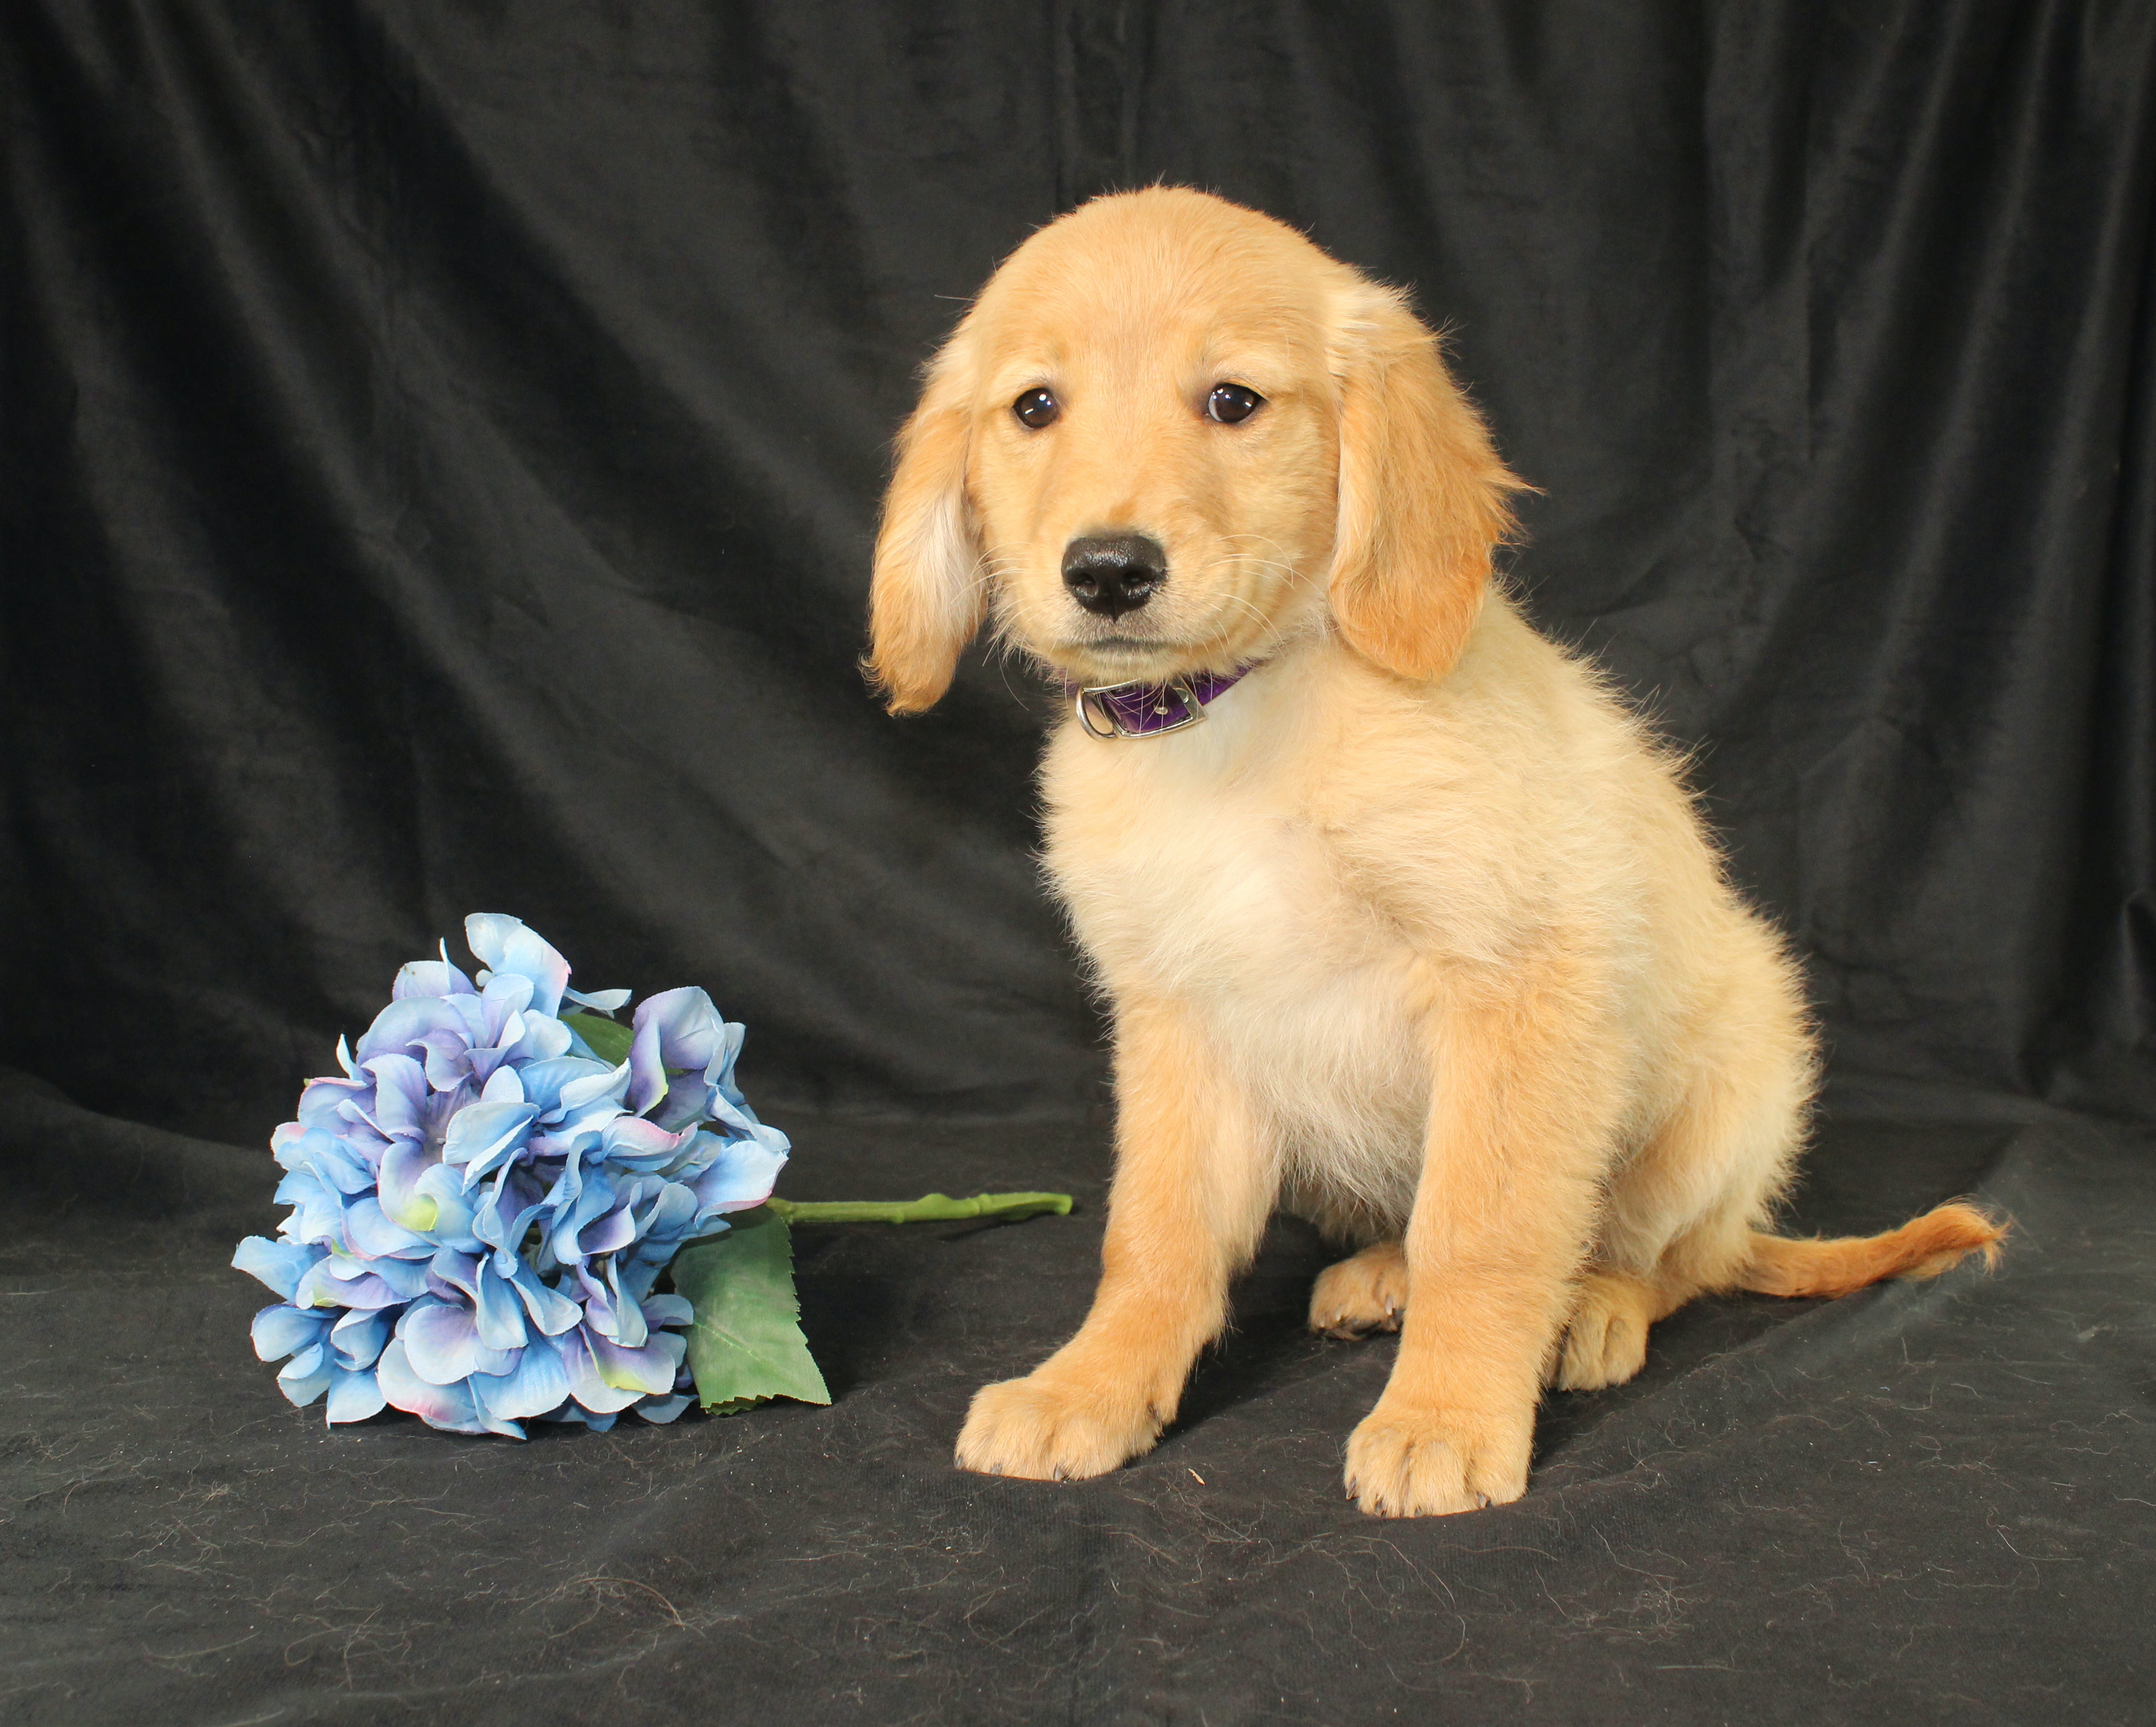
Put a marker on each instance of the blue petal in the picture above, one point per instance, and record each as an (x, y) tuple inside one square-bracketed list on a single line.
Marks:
[(688, 1100), (537, 1384), (611, 1311), (328, 1155), (567, 1188), (403, 1024), (506, 946), (354, 1396), (290, 1143), (586, 1384), (449, 1407), (318, 1286), (742, 1175), (502, 1003), (574, 1412), (663, 1410), (593, 1199), (441, 1342), (406, 1277), (371, 1232), (401, 1093), (543, 1080), (603, 1235), (669, 1215), (357, 1339), (306, 1375), (402, 1166), (320, 1100), (321, 1288), (278, 1264), (582, 1135), (636, 1277), (667, 1310), (541, 1040), (482, 1134), (498, 1313), (590, 1091), (691, 1035), (448, 1056), (488, 1299), (482, 1063), (676, 1030), (444, 1188), (602, 1302), (342, 1282), (317, 1208), (504, 1215), (719, 1071), (649, 1368), (604, 1001), (630, 1139), (282, 1331), (430, 977), (553, 1313)]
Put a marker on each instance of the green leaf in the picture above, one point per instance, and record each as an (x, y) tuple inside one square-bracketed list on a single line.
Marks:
[(609, 1039), (929, 1208), (745, 1344)]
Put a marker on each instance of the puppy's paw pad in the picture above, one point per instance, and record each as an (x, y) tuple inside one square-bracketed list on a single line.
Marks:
[(1358, 1296), (1041, 1431), (1606, 1342), (1404, 1463)]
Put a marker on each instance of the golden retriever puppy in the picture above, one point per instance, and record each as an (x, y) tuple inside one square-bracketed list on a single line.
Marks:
[(1405, 921)]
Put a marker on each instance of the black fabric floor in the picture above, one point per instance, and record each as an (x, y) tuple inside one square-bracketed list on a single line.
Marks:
[(1923, 1502)]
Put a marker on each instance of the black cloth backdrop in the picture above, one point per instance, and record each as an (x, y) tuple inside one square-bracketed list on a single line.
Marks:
[(442, 448)]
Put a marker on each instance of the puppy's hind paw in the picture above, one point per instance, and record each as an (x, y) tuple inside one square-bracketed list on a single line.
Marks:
[(1366, 1294), (1605, 1341)]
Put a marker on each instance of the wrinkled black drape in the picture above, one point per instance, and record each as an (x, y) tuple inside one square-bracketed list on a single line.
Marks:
[(442, 446), (438, 454)]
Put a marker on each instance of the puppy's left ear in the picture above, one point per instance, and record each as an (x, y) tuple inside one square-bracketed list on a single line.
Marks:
[(929, 591), (1422, 492)]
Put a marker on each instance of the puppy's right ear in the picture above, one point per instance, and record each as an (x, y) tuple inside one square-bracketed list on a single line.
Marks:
[(930, 590)]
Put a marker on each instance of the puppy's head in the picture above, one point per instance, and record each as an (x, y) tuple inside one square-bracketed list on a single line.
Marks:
[(1171, 433)]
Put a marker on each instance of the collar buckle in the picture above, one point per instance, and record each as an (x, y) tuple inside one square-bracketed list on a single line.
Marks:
[(1138, 709)]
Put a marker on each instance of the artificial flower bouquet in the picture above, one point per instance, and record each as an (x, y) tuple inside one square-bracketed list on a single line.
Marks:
[(486, 1199)]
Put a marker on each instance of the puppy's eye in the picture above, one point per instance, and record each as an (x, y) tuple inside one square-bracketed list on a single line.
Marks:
[(1037, 408), (1232, 404)]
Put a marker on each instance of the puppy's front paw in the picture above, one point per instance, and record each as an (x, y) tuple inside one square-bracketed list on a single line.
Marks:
[(1044, 1429), (1405, 1461), (1366, 1294)]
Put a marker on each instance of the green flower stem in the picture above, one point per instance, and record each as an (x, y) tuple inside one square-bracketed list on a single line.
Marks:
[(930, 1207)]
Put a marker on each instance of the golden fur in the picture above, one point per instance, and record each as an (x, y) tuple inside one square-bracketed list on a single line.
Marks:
[(1418, 935)]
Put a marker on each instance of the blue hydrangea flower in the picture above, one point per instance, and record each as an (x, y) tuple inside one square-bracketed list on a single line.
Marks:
[(481, 1206)]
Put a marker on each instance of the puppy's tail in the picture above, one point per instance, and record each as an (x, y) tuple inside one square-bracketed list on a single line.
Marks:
[(1923, 1247)]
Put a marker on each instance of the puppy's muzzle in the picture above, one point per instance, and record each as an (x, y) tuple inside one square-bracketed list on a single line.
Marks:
[(1109, 574)]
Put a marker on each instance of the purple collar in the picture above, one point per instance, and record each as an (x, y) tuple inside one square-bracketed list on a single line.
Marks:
[(1142, 710)]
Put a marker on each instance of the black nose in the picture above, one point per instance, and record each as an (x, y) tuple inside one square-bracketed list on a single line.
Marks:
[(1110, 574)]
